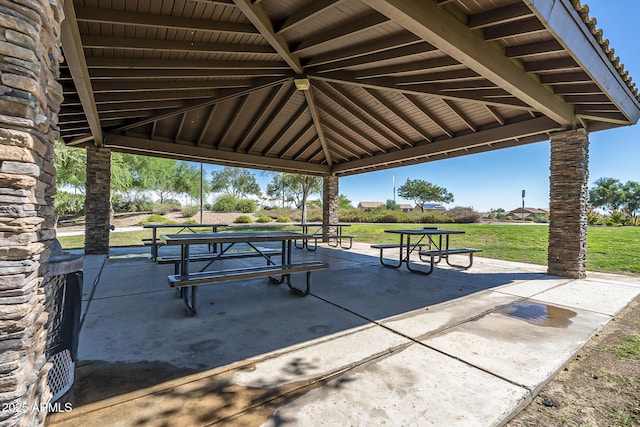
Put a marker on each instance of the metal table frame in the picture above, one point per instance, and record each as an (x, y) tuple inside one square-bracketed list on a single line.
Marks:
[(232, 238), (405, 251), (320, 227), (183, 227)]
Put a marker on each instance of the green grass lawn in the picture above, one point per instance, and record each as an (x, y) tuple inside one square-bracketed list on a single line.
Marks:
[(609, 249)]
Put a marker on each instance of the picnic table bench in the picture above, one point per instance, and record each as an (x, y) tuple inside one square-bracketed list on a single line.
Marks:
[(155, 242), (190, 281), (337, 238), (436, 252), (215, 256)]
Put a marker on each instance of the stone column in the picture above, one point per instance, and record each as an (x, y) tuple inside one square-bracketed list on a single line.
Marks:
[(568, 203), (30, 55), (97, 201), (329, 205)]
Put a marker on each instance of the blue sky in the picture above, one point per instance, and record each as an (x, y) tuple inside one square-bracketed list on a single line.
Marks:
[(496, 179)]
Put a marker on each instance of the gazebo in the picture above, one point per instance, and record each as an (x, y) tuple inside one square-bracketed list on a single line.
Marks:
[(321, 87)]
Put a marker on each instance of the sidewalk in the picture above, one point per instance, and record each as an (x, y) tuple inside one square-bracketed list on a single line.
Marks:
[(370, 346)]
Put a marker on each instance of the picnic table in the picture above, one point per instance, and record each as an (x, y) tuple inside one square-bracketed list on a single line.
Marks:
[(189, 281), (427, 237), (315, 229), (155, 242)]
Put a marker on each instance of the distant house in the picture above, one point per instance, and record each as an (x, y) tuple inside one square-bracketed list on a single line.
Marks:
[(527, 213), (405, 207), (431, 207), (369, 205)]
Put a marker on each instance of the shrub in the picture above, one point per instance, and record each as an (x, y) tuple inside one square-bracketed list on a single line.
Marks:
[(157, 219), (243, 219), (263, 219), (283, 219), (190, 210), (225, 203), (463, 215), (161, 209), (67, 203), (246, 206)]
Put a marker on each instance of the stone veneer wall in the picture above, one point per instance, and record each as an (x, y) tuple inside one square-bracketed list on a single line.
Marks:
[(568, 203), (330, 199), (29, 62), (97, 200)]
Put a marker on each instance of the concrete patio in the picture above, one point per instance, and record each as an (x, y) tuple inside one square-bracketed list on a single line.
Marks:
[(369, 346)]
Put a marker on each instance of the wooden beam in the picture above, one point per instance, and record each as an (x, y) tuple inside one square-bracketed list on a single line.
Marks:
[(501, 15), (259, 18), (184, 64), (372, 58), (313, 109), (537, 126), (206, 155), (304, 14), (74, 56), (129, 43), (565, 22), (452, 37), (140, 19)]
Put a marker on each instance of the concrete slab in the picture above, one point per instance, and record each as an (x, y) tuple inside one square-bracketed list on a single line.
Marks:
[(370, 346), (526, 342), (413, 387), (602, 297)]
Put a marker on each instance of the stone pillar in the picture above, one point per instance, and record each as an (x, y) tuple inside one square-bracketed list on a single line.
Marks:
[(330, 197), (97, 206), (30, 55), (568, 203)]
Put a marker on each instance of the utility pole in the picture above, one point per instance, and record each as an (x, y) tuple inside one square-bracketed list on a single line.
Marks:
[(522, 205), (394, 187), (201, 193)]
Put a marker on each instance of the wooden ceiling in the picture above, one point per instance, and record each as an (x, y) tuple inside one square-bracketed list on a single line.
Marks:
[(391, 82)]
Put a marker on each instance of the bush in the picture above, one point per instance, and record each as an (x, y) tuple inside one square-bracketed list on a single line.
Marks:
[(190, 210), (157, 219), (283, 219), (162, 208), (263, 219), (463, 215), (243, 219), (67, 203), (225, 203), (246, 206)]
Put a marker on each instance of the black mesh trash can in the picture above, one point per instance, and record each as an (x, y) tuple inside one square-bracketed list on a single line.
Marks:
[(64, 304)]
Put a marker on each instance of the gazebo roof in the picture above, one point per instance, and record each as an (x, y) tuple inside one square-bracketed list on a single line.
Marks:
[(390, 82)]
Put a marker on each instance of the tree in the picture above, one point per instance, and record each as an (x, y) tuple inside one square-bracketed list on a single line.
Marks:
[(344, 202), (71, 166), (422, 192), (608, 192), (294, 188), (392, 205), (632, 196), (235, 181)]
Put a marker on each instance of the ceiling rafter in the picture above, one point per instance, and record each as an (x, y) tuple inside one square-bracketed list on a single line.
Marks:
[(229, 126), (192, 105), (340, 134), (397, 41), (271, 97), (159, 86), (373, 58), (125, 97), (284, 129), (296, 139), (102, 16), (205, 126), (176, 137), (74, 55), (317, 150), (267, 122), (184, 64), (345, 29), (183, 74), (416, 102), (437, 27), (514, 29), (128, 43), (494, 112), (428, 65), (388, 83), (313, 109), (200, 154), (340, 119), (453, 107), (305, 14), (515, 130), (364, 116), (396, 112), (259, 18), (501, 15)]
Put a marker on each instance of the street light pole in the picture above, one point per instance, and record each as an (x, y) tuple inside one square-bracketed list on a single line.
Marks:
[(522, 205)]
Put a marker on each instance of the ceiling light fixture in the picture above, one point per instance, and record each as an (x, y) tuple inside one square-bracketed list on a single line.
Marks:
[(302, 82)]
